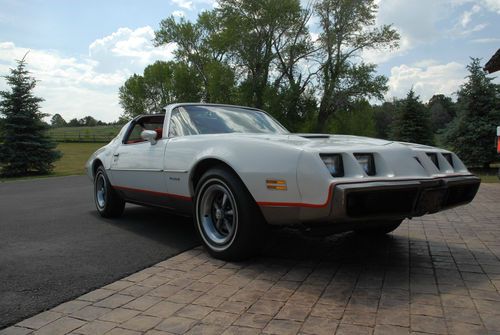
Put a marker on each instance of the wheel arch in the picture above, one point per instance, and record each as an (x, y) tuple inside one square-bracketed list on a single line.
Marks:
[(95, 165), (206, 164)]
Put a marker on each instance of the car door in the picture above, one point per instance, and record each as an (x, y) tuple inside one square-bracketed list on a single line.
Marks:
[(137, 166)]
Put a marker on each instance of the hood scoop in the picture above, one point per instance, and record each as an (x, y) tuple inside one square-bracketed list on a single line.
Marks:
[(313, 135)]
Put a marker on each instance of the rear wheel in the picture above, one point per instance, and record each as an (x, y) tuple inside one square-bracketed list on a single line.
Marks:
[(379, 228), (108, 203), (227, 219)]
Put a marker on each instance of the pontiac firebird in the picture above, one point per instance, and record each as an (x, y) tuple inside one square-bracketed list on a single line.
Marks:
[(236, 171)]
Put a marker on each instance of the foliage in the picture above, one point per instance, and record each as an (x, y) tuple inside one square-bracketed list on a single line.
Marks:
[(442, 112), (26, 148), (201, 46), (472, 133), (412, 123), (161, 83), (58, 121), (357, 120), (347, 28), (87, 121), (384, 116), (2, 125)]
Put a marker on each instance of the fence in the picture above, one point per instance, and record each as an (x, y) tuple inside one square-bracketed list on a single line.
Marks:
[(80, 137), (84, 134)]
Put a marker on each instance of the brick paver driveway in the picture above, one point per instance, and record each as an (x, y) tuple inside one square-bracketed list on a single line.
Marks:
[(439, 275)]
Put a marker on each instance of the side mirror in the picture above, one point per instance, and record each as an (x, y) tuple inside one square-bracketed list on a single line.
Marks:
[(149, 135)]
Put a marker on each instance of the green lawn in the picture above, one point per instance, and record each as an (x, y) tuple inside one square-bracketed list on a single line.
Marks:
[(74, 157), (72, 162)]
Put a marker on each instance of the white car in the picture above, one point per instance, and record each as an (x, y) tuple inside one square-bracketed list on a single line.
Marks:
[(236, 170)]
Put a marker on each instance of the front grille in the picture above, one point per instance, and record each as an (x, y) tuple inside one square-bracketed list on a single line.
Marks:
[(381, 202), (459, 194)]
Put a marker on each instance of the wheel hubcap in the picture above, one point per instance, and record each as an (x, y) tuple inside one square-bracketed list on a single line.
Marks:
[(217, 214), (100, 188)]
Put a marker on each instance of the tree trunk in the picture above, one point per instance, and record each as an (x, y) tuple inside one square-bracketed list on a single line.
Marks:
[(322, 116)]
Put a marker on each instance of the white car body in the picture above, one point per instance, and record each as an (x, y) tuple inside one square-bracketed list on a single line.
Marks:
[(163, 174)]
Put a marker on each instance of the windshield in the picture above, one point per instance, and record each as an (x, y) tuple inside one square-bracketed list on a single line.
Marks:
[(198, 120)]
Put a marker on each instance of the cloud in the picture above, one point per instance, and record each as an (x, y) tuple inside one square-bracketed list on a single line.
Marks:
[(426, 78), (379, 56), (492, 5), (486, 40), (178, 13), (467, 15), (183, 4), (88, 84)]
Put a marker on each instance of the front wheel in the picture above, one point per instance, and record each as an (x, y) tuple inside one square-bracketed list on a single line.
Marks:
[(108, 203), (379, 228), (226, 216)]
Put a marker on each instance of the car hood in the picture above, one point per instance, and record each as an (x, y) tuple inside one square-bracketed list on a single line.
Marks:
[(322, 141)]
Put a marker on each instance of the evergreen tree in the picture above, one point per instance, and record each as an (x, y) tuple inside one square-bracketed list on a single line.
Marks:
[(413, 121), (472, 133), (26, 148)]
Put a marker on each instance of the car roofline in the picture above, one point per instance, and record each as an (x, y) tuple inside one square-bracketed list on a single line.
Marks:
[(181, 104)]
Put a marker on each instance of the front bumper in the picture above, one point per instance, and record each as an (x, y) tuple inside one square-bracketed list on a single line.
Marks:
[(353, 202), (402, 199)]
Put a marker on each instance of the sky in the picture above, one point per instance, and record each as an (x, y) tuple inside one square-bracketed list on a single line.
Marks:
[(82, 51)]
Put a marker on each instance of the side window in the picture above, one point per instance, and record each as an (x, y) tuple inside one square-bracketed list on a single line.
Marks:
[(147, 123), (181, 124), (135, 134)]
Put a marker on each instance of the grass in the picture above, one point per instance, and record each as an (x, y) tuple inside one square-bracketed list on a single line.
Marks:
[(74, 157), (84, 134), (72, 162), (489, 179)]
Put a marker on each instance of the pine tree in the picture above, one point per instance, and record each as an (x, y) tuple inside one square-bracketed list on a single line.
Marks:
[(26, 149), (472, 134), (413, 121)]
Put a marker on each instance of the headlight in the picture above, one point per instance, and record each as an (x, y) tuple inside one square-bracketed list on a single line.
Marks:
[(367, 163), (334, 164)]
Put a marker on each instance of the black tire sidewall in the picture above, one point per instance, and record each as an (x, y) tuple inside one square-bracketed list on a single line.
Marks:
[(249, 219), (114, 204)]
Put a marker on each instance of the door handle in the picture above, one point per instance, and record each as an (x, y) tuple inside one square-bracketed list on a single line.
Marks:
[(116, 155)]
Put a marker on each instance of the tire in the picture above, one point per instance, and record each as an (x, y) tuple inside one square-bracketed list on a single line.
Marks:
[(108, 203), (379, 228), (227, 219)]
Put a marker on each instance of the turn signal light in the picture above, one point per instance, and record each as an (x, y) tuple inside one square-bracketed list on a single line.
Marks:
[(276, 184)]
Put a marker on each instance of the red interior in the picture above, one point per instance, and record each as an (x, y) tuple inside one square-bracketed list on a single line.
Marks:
[(159, 133)]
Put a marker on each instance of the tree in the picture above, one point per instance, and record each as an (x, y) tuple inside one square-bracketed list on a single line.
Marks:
[(132, 96), (413, 121), (472, 133), (357, 120), (2, 125), (88, 121), (26, 148), (74, 123), (384, 117), (58, 121), (261, 32), (161, 83), (347, 28), (202, 46), (442, 111)]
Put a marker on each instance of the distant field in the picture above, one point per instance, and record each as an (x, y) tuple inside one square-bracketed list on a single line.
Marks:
[(84, 134)]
